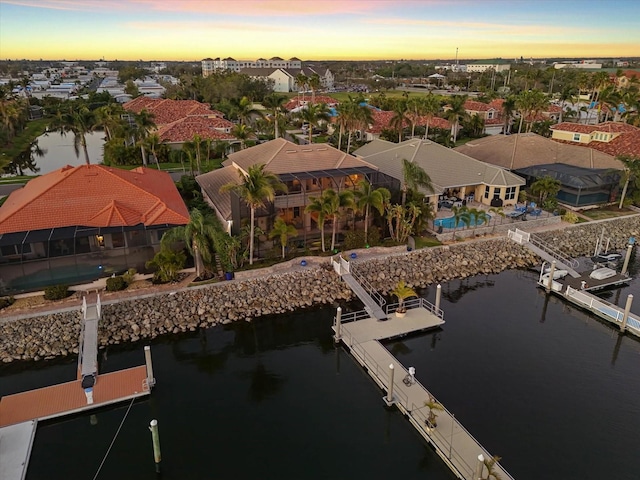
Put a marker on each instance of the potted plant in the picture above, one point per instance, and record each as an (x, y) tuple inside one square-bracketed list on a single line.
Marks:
[(433, 405), (402, 292)]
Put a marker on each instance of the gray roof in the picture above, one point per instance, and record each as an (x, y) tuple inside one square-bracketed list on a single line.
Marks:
[(533, 149), (211, 183), (446, 167), (576, 177), (283, 157)]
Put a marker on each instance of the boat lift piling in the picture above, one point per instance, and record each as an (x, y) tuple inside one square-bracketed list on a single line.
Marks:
[(627, 309), (550, 279)]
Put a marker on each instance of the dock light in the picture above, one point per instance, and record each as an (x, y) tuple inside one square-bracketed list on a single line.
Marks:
[(354, 255), (303, 263)]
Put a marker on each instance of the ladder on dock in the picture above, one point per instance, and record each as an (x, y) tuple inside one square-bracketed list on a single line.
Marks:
[(545, 251), (372, 300)]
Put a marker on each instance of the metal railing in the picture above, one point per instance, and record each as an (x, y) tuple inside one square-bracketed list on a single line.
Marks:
[(372, 292), (416, 303), (352, 317), (558, 255), (98, 308), (611, 311)]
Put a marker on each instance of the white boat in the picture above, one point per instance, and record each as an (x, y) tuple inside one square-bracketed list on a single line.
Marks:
[(557, 274), (602, 273), (555, 286)]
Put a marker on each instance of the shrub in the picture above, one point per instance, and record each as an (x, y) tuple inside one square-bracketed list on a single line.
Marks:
[(353, 239), (6, 302), (115, 284), (570, 217), (56, 292), (129, 275)]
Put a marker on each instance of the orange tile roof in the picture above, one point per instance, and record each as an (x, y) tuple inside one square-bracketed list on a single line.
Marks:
[(296, 102), (627, 142), (167, 111), (94, 196), (472, 105), (183, 130), (382, 121)]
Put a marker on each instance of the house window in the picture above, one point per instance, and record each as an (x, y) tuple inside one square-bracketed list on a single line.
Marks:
[(489, 115), (496, 192), (117, 240), (510, 193), (486, 191), (576, 137), (296, 212)]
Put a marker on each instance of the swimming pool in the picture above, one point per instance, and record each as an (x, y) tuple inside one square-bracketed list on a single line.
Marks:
[(450, 222)]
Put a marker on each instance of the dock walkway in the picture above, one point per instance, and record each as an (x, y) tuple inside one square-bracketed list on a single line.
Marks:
[(544, 251), (372, 300), (363, 335)]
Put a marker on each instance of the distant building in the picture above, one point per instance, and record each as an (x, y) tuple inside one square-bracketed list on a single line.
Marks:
[(480, 66), (210, 65), (582, 64)]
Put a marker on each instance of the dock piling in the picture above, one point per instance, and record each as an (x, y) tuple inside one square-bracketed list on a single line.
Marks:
[(627, 257), (151, 381), (627, 309), (549, 284), (336, 337), (479, 468), (155, 438), (438, 295), (390, 389)]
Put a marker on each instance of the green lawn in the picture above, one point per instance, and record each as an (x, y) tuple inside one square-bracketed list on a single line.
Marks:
[(609, 211)]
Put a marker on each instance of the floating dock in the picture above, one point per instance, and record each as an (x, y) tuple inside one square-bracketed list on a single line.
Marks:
[(363, 334), (20, 412)]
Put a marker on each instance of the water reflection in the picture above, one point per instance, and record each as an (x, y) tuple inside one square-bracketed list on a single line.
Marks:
[(27, 160)]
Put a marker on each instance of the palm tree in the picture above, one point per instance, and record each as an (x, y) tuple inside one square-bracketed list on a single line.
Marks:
[(402, 291), (631, 174), (414, 176), (275, 102), (430, 107), (322, 208), (399, 118), (255, 188), (301, 82), (433, 405), (109, 118), (242, 133), (456, 113), (368, 197), (545, 187), (144, 125), (499, 211), (283, 231), (314, 84), (79, 121), (479, 216), (508, 108), (247, 111), (153, 142), (569, 93), (314, 115), (337, 203), (461, 215), (198, 236)]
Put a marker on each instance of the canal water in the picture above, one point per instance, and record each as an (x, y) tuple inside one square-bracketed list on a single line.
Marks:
[(59, 151), (549, 388)]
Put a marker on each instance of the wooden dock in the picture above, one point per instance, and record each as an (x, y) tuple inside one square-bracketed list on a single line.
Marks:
[(69, 398), (362, 335)]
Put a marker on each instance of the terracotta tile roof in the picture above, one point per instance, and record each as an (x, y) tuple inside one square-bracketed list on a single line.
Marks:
[(94, 196), (168, 111), (382, 121), (626, 142), (296, 102), (183, 130), (473, 106)]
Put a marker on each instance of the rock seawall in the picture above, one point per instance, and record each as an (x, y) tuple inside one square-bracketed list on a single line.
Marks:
[(50, 335)]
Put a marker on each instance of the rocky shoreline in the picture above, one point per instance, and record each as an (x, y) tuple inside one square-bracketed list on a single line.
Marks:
[(56, 334)]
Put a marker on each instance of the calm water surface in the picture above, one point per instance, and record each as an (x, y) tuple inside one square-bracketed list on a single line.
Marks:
[(60, 152), (552, 390)]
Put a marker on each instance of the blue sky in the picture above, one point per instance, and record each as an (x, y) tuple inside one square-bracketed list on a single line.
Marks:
[(319, 29)]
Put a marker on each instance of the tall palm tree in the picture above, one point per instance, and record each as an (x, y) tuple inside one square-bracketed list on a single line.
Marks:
[(79, 121), (461, 216), (338, 202), (569, 93), (283, 231), (430, 107), (399, 118), (144, 125), (456, 113), (153, 142), (275, 103), (346, 116), (366, 198), (413, 177), (109, 117), (247, 111), (242, 133), (314, 84), (508, 109), (301, 81), (631, 174), (256, 187), (314, 114), (609, 98), (198, 236), (545, 187), (322, 208)]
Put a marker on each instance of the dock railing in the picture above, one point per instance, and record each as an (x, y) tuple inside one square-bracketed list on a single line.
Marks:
[(416, 303), (558, 255), (611, 311), (352, 316), (373, 293)]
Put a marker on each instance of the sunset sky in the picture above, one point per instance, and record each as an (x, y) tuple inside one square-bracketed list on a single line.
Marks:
[(317, 29)]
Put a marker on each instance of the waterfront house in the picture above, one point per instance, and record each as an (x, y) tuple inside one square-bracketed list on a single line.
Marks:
[(612, 138), (79, 223), (306, 170), (452, 174)]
